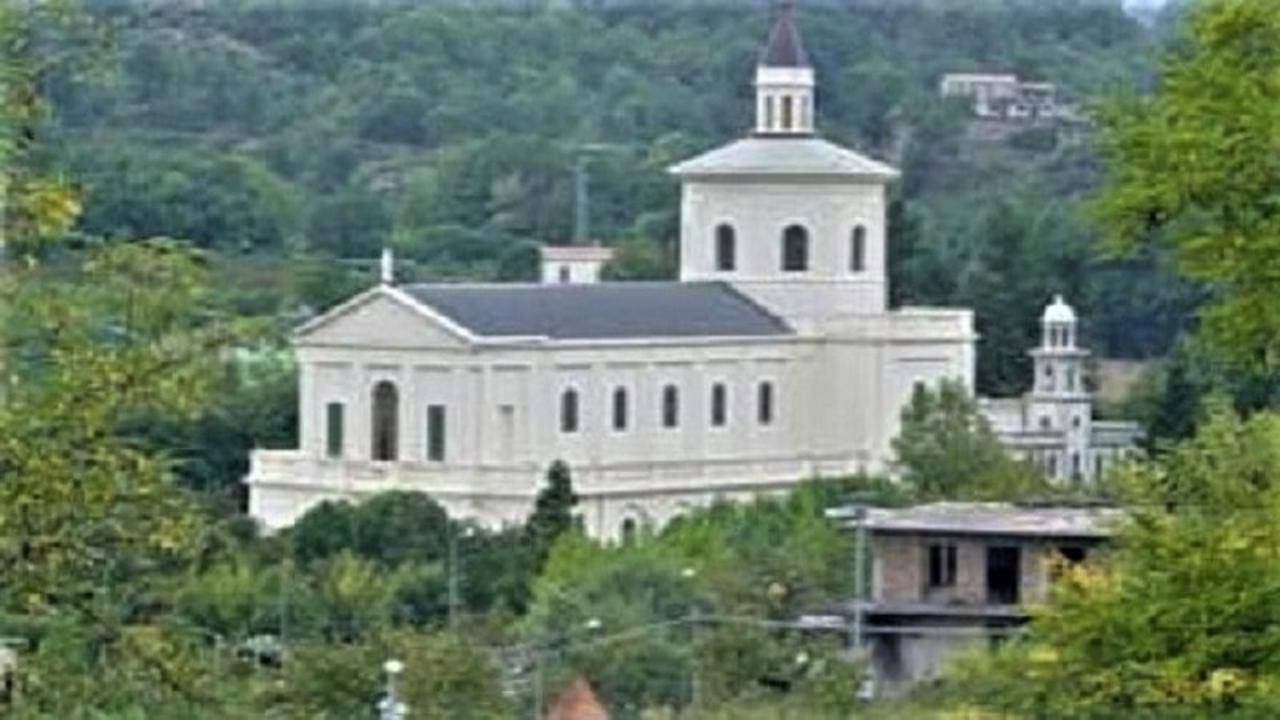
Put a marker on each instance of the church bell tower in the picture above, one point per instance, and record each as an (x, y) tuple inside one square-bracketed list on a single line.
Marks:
[(784, 81), (1060, 401)]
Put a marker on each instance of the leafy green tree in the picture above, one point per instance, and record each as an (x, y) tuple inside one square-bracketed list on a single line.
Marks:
[(946, 449), (1173, 622), (83, 510), (445, 676), (39, 40), (1189, 166), (352, 224), (388, 528)]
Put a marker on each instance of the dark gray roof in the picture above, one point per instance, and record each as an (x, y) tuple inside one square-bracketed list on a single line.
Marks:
[(616, 310), (785, 48)]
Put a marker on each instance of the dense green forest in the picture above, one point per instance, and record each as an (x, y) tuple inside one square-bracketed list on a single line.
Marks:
[(298, 138)]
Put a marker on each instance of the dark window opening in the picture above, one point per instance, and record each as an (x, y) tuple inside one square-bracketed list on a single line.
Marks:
[(942, 565), (334, 430), (719, 405), (435, 433), (620, 409), (858, 250), (1004, 575), (786, 112), (386, 412), (670, 407), (795, 249), (1072, 553), (764, 403), (726, 249), (569, 411)]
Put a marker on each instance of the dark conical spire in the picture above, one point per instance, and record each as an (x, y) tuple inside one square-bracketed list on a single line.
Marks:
[(785, 48)]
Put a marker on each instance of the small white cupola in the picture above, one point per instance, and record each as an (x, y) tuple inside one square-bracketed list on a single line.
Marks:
[(1058, 324), (784, 80), (573, 264)]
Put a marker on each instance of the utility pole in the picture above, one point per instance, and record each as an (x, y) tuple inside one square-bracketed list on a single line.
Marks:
[(581, 202), (455, 595), (859, 574)]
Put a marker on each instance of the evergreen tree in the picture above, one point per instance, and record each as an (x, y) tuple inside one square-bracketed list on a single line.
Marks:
[(552, 511)]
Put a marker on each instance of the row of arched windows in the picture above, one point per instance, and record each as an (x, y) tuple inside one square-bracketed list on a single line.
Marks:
[(795, 249), (669, 407)]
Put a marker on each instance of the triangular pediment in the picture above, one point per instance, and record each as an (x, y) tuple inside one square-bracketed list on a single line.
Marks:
[(382, 317)]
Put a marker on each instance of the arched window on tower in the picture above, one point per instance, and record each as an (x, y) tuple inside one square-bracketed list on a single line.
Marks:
[(858, 250), (787, 111), (795, 249), (386, 416), (569, 411), (726, 248)]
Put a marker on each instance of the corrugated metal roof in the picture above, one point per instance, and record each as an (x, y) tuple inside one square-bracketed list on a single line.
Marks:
[(978, 518), (617, 310)]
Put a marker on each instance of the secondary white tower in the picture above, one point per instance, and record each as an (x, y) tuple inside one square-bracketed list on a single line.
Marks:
[(1060, 401)]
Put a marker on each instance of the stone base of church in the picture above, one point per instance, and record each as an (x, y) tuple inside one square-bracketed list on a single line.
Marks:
[(284, 485)]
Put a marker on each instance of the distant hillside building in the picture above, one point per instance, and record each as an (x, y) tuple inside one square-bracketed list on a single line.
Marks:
[(1052, 426), (1005, 97)]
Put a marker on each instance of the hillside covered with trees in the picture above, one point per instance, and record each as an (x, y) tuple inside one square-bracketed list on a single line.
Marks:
[(296, 139)]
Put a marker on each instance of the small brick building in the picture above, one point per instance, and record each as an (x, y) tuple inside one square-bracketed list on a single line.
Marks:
[(947, 576)]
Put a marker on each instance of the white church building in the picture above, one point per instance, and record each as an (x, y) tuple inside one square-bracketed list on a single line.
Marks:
[(773, 359)]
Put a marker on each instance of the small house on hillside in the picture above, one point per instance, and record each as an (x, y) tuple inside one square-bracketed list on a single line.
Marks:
[(949, 576)]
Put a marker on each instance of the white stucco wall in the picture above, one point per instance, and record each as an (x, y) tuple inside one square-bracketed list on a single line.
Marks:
[(835, 408), (759, 211)]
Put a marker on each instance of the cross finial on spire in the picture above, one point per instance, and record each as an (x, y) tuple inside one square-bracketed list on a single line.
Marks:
[(388, 274)]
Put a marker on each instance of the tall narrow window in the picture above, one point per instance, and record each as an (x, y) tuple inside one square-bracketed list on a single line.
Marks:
[(436, 433), (670, 407), (764, 403), (858, 250), (719, 405), (565, 275), (942, 565), (386, 425), (569, 411), (795, 249), (333, 430), (726, 248), (620, 409), (786, 112)]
